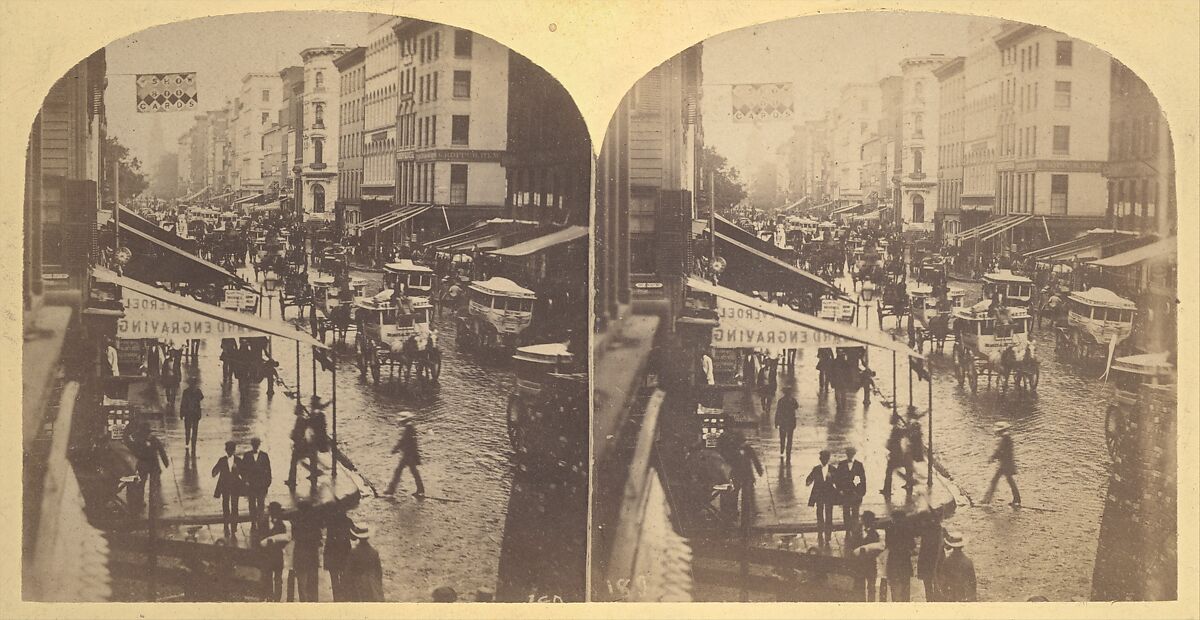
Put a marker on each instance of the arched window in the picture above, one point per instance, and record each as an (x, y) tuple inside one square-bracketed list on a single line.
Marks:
[(917, 157), (918, 211), (318, 198)]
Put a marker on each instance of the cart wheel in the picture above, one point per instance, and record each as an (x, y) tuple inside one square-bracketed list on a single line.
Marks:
[(1035, 377), (973, 376), (959, 371)]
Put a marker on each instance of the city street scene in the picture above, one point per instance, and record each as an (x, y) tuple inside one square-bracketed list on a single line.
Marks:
[(885, 311), (306, 319)]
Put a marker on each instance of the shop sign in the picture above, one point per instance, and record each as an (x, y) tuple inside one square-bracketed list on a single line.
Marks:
[(743, 327), (147, 317)]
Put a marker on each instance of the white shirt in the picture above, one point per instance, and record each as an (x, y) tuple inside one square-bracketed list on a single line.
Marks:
[(707, 363), (111, 353)]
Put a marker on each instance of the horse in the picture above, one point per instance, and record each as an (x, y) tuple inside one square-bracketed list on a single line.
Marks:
[(340, 320), (1027, 370), (939, 331), (1006, 366)]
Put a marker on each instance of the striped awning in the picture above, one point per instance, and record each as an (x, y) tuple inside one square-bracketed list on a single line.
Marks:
[(991, 228), (1089, 241), (393, 217), (1162, 248)]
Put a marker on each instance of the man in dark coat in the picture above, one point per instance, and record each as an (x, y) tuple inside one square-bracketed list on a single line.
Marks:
[(744, 466), (955, 577), (850, 480), (275, 538), (306, 552), (823, 496), (410, 456), (785, 421), (363, 569), (900, 544), (337, 552), (228, 472), (151, 458), (1007, 464), (189, 412), (256, 468), (929, 556)]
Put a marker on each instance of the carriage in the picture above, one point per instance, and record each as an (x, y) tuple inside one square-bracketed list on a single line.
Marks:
[(536, 365), (1129, 375), (331, 306), (932, 315), (497, 314), (933, 269), (1096, 320), (894, 301), (416, 279), (1015, 290), (396, 332), (994, 343)]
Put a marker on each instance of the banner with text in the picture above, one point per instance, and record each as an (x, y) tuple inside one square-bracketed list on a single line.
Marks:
[(753, 103), (743, 327), (147, 317), (166, 92)]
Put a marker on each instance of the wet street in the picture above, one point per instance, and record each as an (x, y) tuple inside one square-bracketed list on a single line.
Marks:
[(1047, 547), (453, 536)]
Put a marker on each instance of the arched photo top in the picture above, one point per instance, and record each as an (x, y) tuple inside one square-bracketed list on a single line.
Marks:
[(380, 189), (778, 203)]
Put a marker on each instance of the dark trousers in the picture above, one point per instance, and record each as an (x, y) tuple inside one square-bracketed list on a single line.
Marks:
[(850, 517), (229, 511), (299, 453), (400, 472), (866, 584), (254, 504), (171, 390), (191, 428), (337, 585), (226, 371), (785, 441), (274, 586), (899, 585), (306, 581), (824, 521), (824, 381), (1012, 486), (892, 466)]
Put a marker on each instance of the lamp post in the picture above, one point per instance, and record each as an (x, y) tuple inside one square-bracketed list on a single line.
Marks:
[(270, 284)]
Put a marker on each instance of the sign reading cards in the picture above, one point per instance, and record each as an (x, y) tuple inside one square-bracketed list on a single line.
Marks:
[(146, 317), (754, 103), (166, 92), (743, 327)]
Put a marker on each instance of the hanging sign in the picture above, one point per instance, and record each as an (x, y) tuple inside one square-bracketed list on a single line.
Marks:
[(147, 317), (166, 92), (743, 327)]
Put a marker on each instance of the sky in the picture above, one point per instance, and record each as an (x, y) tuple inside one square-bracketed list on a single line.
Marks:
[(220, 50), (818, 55)]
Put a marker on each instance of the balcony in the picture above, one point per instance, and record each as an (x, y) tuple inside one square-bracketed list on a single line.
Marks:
[(318, 165)]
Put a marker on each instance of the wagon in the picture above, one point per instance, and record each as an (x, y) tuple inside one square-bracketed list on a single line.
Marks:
[(497, 314), (994, 343), (1097, 320)]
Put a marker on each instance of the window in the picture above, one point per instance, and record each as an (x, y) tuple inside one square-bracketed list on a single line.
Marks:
[(1062, 139), (318, 115), (1062, 54), (917, 156), (320, 80), (458, 184), (1058, 193), (318, 150), (462, 43), (266, 116), (318, 195), (435, 85), (266, 95), (918, 209), (462, 83), (433, 130), (437, 42), (918, 125), (460, 130)]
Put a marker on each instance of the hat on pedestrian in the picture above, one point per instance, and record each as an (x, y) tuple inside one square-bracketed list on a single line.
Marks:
[(444, 594), (1001, 428), (955, 540), (913, 412), (361, 531)]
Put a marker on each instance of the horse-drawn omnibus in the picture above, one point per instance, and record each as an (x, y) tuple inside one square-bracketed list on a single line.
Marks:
[(932, 315), (534, 435), (1015, 290), (497, 313), (1096, 320), (417, 279), (994, 342), (395, 331)]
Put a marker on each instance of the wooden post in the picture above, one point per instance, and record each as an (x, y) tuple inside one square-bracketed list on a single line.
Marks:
[(930, 455), (333, 403), (298, 391)]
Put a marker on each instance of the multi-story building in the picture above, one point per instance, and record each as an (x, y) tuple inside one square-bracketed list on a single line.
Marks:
[(381, 100), (64, 558), (1141, 163), (273, 166), (291, 122), (352, 86), (452, 124), (198, 146), (1053, 134), (855, 120), (951, 131), (184, 144), (257, 109), (918, 141), (217, 151), (805, 162), (318, 162)]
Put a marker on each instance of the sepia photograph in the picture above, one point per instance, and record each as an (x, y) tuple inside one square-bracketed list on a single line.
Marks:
[(885, 311), (305, 306)]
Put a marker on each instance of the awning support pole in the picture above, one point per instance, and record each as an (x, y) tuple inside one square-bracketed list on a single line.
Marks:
[(299, 392), (333, 404), (893, 381), (929, 463)]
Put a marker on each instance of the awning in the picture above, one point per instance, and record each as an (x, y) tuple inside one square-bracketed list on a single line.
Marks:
[(131, 219), (537, 244), (991, 228), (247, 199), (273, 206), (214, 269), (394, 216), (1158, 249), (483, 234), (184, 317), (403, 218), (1091, 240), (195, 195), (778, 263), (842, 210), (870, 215), (225, 195), (769, 325)]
